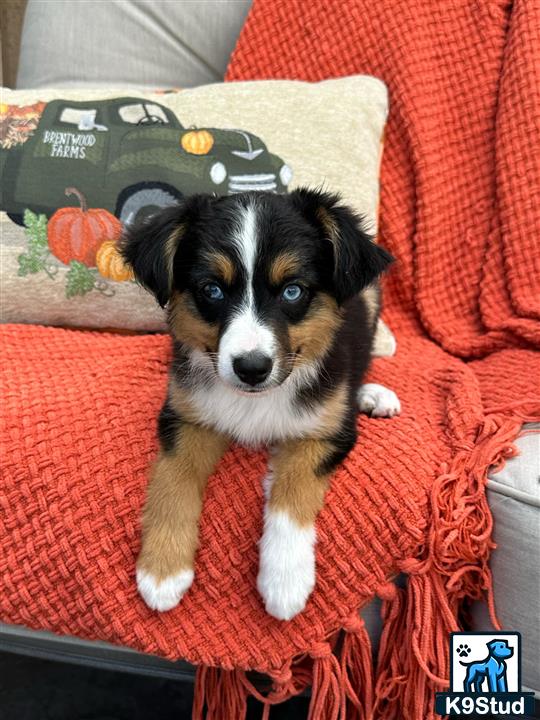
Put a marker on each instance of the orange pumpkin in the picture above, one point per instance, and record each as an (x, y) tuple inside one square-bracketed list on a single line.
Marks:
[(77, 233), (198, 142), (111, 264)]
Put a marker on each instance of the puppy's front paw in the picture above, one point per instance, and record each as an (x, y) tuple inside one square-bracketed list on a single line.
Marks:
[(287, 565), (378, 401), (164, 594)]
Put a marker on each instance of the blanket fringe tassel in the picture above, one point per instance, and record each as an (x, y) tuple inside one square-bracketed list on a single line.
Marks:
[(412, 661)]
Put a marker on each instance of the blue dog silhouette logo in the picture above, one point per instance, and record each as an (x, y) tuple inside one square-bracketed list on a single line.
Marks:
[(492, 668), (485, 676)]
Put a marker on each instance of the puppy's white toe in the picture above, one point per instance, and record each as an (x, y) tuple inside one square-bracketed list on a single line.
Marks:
[(378, 401), (287, 565), (281, 602), (166, 594)]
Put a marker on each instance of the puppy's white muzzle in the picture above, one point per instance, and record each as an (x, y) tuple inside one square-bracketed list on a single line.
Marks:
[(247, 353)]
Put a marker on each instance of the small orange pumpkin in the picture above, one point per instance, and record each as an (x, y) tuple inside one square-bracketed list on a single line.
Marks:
[(111, 264), (198, 142), (77, 233)]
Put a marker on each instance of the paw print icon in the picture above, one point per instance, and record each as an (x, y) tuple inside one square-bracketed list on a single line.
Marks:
[(463, 650)]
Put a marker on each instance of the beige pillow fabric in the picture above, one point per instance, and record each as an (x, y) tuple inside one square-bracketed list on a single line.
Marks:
[(77, 164)]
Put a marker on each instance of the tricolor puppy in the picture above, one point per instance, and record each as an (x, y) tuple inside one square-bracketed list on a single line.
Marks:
[(272, 304)]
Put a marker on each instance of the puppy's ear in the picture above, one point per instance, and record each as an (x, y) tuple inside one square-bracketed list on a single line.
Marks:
[(150, 246), (357, 261)]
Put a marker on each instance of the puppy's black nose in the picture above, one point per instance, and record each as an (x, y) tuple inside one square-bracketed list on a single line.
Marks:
[(252, 368)]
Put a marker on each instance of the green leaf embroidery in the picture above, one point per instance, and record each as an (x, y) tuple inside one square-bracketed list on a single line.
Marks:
[(38, 248), (36, 230), (28, 264), (79, 279)]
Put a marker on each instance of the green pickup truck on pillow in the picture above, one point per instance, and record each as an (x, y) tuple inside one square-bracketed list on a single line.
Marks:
[(130, 156)]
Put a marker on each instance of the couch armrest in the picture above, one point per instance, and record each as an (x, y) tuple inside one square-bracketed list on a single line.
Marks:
[(46, 645)]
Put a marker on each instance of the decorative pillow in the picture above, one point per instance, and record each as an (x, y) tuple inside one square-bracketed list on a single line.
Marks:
[(77, 165)]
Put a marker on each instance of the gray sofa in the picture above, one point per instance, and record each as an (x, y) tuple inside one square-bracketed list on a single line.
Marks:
[(180, 44)]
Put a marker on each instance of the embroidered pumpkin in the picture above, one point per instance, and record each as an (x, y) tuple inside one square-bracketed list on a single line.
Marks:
[(77, 233), (198, 142), (111, 264)]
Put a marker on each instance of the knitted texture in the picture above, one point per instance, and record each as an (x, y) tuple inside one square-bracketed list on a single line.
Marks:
[(460, 211), (460, 183)]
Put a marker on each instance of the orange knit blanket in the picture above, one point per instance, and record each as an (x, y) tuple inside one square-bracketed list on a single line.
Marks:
[(460, 209)]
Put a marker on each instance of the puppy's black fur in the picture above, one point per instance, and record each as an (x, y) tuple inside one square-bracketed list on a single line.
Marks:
[(171, 255), (272, 304)]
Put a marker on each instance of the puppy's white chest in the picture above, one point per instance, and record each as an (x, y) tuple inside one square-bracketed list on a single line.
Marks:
[(254, 419)]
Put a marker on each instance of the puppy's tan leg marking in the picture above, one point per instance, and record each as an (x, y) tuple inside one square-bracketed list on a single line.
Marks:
[(171, 515), (295, 491)]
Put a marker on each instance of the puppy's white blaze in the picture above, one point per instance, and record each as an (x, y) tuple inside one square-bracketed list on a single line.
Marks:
[(378, 401), (244, 334), (247, 333), (287, 565), (245, 239), (166, 594)]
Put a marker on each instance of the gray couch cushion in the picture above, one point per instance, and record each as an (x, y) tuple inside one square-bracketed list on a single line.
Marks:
[(140, 43), (514, 498)]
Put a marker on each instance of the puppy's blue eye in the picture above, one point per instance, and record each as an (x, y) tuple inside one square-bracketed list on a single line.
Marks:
[(292, 293), (213, 291)]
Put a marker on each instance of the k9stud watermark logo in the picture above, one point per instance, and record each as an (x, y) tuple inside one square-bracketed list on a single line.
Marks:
[(485, 676), (485, 663)]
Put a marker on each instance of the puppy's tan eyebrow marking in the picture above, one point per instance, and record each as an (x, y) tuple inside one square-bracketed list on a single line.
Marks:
[(283, 266), (223, 266)]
